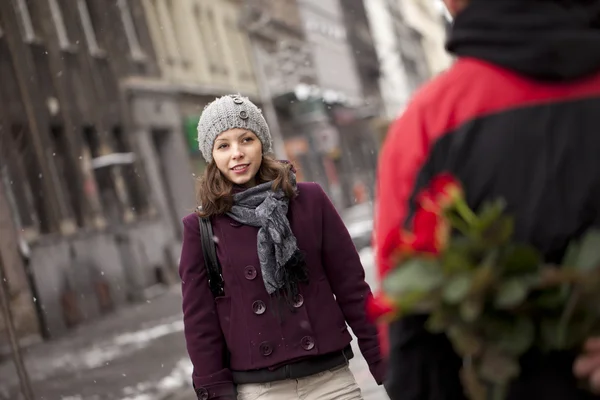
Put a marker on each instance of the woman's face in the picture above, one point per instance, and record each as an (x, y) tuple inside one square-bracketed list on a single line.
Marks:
[(238, 155)]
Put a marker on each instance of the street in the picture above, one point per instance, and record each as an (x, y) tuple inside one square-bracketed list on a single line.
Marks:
[(136, 353)]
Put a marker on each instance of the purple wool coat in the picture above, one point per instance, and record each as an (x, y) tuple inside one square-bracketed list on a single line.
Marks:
[(241, 320)]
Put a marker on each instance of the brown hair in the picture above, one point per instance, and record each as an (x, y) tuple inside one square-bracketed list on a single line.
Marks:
[(214, 191)]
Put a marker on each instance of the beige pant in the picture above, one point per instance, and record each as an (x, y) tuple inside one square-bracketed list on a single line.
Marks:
[(335, 384)]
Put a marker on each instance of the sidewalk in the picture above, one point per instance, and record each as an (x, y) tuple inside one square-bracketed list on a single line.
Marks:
[(136, 353), (137, 350)]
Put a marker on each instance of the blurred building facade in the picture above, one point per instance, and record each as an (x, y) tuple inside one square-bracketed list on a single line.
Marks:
[(336, 110), (284, 63), (426, 17), (100, 102), (401, 54), (92, 163), (295, 59), (203, 53), (306, 70), (362, 45)]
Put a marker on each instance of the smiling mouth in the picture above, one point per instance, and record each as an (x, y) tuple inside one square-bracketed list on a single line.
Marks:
[(240, 168)]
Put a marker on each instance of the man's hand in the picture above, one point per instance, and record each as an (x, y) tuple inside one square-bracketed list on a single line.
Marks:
[(587, 365)]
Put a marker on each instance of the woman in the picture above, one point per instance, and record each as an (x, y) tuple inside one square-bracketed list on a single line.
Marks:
[(278, 332)]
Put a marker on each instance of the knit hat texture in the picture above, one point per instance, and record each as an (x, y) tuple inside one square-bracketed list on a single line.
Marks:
[(228, 112)]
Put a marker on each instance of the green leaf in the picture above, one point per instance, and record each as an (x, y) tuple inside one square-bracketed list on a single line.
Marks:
[(409, 301), (484, 278), (492, 226), (499, 232), (521, 258), (470, 310), (498, 368), (549, 334), (438, 321), (416, 275), (464, 341), (556, 337), (516, 336), (588, 257), (580, 329), (551, 298), (455, 259), (457, 288), (511, 293), (572, 254), (489, 213)]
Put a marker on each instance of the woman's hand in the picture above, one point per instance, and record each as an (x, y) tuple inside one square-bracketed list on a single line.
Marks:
[(587, 365)]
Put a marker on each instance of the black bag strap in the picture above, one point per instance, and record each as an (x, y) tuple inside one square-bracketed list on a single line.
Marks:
[(209, 251)]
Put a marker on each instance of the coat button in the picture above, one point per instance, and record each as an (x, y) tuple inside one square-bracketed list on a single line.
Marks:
[(202, 393), (266, 349), (250, 272), (307, 343), (259, 307), (298, 301)]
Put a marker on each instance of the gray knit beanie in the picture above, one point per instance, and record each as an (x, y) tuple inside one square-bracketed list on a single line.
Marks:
[(228, 112)]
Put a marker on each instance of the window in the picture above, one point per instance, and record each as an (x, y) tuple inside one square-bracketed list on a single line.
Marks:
[(210, 39), (25, 21), (156, 31), (138, 201), (240, 46), (132, 38), (70, 200), (88, 29), (168, 30), (109, 195), (180, 35), (24, 175), (59, 23), (18, 192)]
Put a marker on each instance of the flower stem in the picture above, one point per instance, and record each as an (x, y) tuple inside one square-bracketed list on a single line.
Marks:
[(565, 318), (459, 224), (465, 212), (498, 392)]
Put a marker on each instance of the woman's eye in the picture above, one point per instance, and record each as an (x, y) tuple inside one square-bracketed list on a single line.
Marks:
[(248, 139), (221, 146)]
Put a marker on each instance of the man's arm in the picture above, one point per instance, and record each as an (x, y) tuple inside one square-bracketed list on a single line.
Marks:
[(402, 156), (421, 365), (587, 366)]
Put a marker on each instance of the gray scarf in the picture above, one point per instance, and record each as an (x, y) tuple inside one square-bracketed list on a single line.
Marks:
[(281, 262)]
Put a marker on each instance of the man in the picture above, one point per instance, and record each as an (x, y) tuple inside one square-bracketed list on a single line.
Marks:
[(517, 116)]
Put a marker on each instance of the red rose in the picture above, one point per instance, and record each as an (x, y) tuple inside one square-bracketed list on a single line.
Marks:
[(380, 307), (429, 235), (430, 231), (445, 189)]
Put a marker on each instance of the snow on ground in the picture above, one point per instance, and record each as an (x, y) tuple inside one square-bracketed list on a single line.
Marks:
[(116, 347), (367, 258), (178, 378)]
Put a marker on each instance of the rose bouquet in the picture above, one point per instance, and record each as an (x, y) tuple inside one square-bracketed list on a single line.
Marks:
[(493, 297)]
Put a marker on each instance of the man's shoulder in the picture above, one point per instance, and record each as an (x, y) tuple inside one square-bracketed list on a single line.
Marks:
[(455, 81), (467, 89)]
